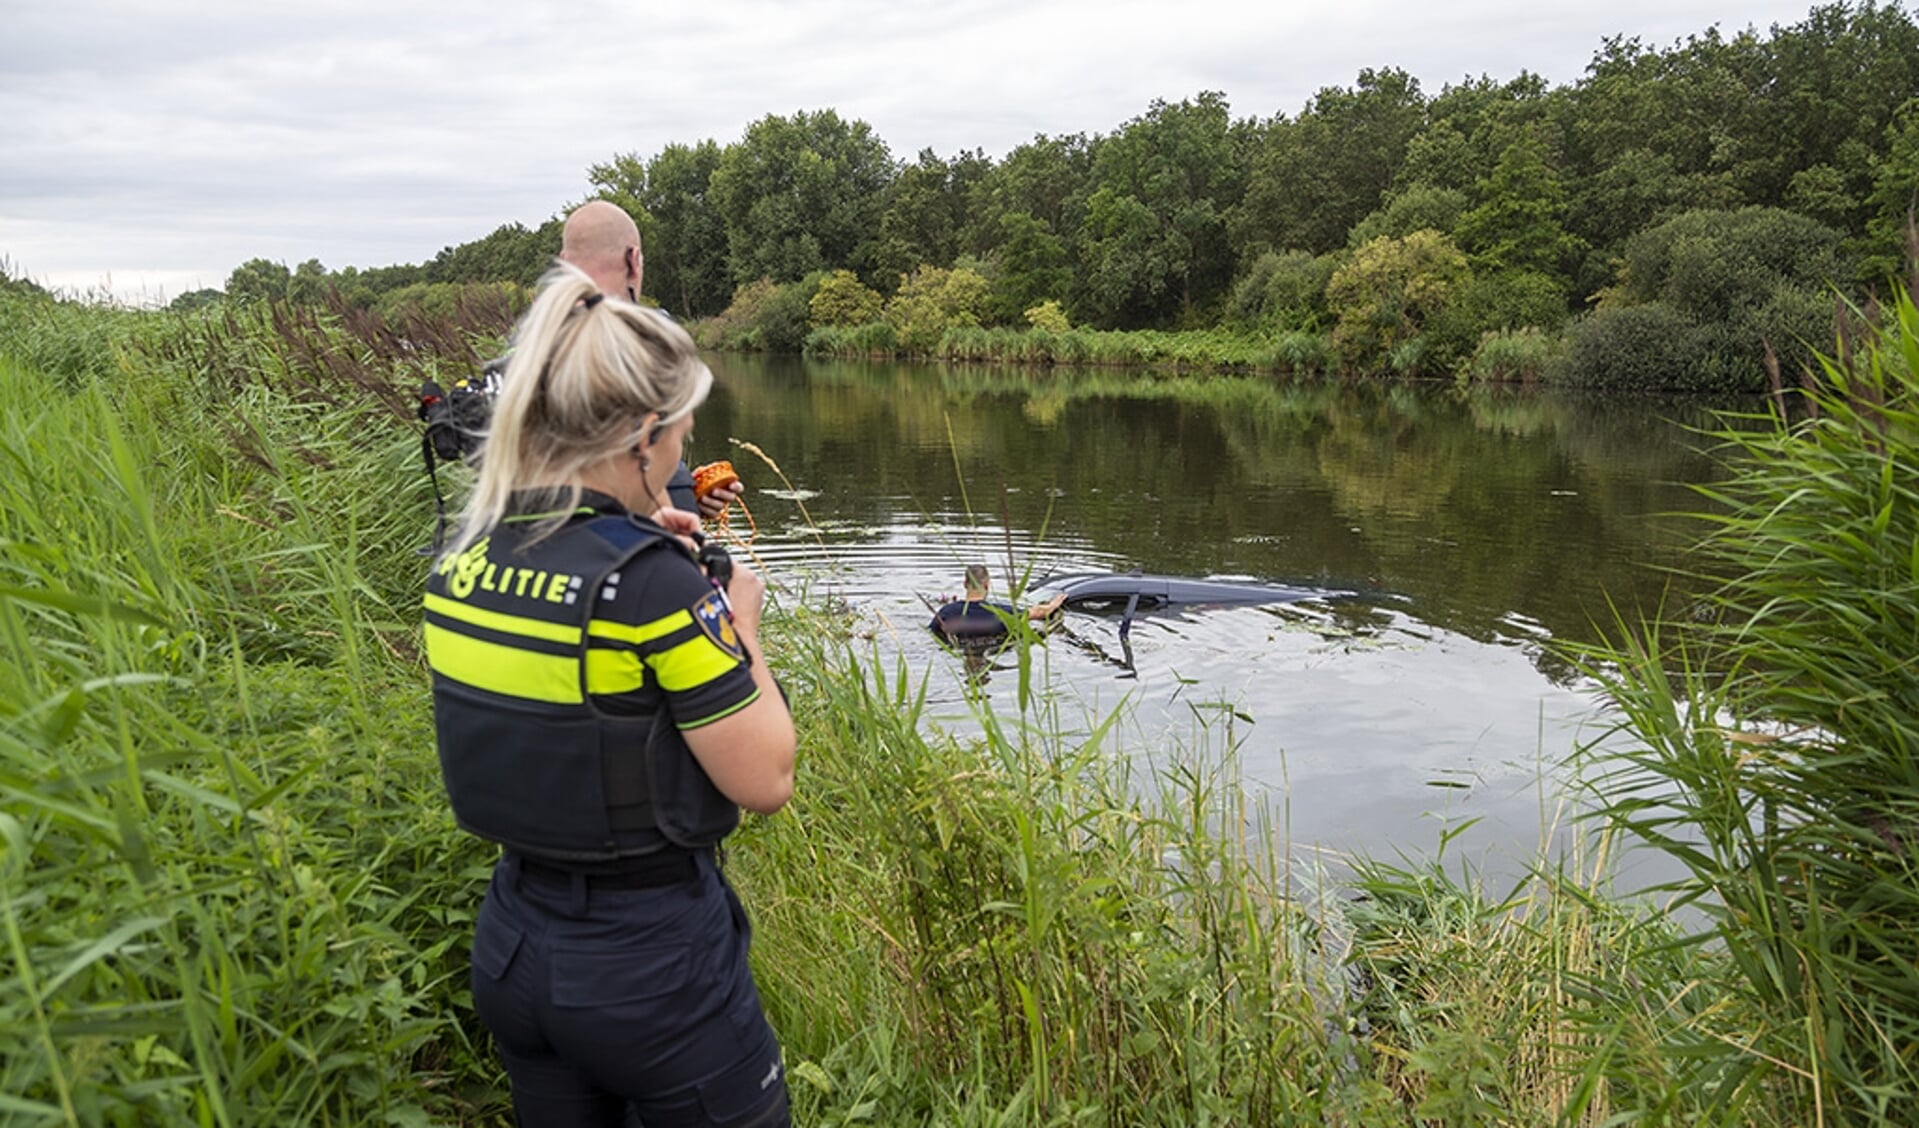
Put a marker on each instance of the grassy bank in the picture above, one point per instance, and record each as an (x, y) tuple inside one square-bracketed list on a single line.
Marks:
[(1301, 353), (233, 895)]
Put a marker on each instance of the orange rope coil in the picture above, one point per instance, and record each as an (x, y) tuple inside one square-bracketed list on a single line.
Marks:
[(721, 475)]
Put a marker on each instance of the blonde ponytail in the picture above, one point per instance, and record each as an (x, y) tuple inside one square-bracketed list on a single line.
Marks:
[(585, 370)]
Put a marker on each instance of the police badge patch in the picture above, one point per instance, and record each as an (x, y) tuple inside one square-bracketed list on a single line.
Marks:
[(716, 622)]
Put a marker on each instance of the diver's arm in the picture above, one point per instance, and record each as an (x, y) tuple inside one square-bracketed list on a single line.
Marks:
[(1046, 609)]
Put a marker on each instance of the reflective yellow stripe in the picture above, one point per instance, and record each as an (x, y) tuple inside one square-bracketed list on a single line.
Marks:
[(502, 622), (613, 671), (505, 670), (693, 662), (724, 712), (645, 632)]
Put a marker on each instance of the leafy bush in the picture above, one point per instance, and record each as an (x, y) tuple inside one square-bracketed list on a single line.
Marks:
[(1304, 352), (1646, 347), (843, 300), (826, 341), (764, 316), (1721, 265), (933, 300), (1408, 357), (1797, 322), (729, 329), (1495, 303), (873, 339), (1284, 290), (1048, 316), (1388, 291), (781, 322), (1736, 280)]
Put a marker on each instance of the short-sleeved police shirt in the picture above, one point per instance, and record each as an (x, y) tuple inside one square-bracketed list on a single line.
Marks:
[(661, 613), (659, 628)]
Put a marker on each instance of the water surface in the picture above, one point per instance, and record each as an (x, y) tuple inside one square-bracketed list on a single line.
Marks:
[(1478, 529)]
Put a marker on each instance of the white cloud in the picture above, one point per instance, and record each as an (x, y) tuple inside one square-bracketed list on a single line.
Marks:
[(160, 146)]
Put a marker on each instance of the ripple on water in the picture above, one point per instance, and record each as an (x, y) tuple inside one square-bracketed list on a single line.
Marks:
[(1355, 709)]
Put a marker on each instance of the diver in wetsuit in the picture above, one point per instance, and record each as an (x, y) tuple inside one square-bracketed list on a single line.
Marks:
[(976, 616)]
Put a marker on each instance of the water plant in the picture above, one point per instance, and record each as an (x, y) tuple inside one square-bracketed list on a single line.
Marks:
[(1522, 355)]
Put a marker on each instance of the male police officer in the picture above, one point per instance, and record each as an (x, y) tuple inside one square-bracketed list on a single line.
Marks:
[(603, 241)]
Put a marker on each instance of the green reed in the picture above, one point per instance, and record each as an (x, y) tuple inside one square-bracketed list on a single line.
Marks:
[(1196, 351), (1511, 355), (1785, 776), (1017, 926), (220, 802)]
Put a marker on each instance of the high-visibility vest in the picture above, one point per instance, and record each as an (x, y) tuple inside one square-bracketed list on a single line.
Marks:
[(529, 758)]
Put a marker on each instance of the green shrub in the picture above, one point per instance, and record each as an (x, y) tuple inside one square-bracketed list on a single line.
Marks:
[(1648, 347), (1408, 357), (1718, 266), (933, 300), (1049, 316), (1654, 347), (1304, 352), (1727, 283), (826, 341), (969, 344), (764, 316), (875, 338), (1797, 321), (781, 322), (842, 300), (1284, 291), (1388, 291), (1495, 303)]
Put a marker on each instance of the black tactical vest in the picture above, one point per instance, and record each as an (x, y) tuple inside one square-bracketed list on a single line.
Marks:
[(529, 760)]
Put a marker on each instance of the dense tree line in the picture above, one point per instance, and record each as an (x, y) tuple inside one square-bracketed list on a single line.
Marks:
[(1404, 227)]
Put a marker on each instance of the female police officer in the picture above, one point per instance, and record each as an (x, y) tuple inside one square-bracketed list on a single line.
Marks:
[(603, 711)]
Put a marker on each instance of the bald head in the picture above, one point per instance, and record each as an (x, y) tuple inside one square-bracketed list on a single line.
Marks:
[(602, 240)]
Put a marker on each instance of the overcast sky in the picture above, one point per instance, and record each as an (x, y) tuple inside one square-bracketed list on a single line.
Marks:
[(152, 147)]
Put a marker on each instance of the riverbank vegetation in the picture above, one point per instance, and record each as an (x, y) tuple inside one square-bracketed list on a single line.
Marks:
[(1657, 222), (230, 892)]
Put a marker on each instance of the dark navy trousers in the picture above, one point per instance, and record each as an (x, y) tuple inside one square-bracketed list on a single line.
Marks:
[(607, 1004)]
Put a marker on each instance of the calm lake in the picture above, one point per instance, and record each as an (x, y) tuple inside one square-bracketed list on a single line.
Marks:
[(1476, 527)]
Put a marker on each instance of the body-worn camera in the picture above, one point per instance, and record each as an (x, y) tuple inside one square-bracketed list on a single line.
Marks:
[(717, 562)]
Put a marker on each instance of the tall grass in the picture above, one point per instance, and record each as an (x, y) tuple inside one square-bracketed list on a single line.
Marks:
[(227, 887), (1508, 355), (1785, 778), (1024, 935), (230, 892)]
